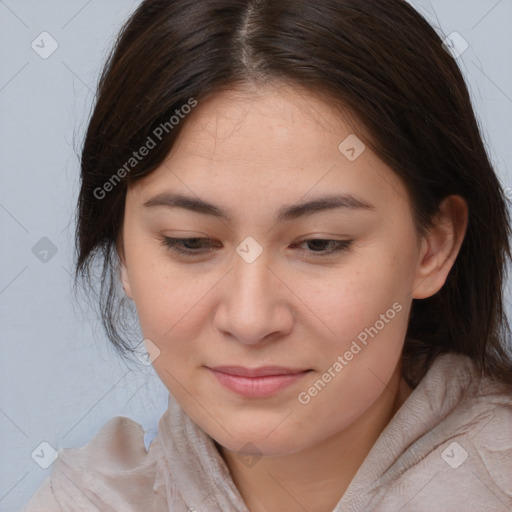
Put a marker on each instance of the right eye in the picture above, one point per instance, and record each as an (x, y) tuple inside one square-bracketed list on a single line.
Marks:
[(182, 245)]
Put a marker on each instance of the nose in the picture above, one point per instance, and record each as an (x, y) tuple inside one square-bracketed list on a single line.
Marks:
[(255, 306)]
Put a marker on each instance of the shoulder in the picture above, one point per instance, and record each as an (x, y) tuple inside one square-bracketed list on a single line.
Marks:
[(468, 450), (470, 461), (475, 409), (118, 445), (484, 426), (111, 470), (449, 447)]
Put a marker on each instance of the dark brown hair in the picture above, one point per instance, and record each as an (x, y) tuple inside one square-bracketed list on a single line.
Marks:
[(378, 60)]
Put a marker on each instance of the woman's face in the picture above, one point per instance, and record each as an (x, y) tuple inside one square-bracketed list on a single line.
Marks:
[(260, 174)]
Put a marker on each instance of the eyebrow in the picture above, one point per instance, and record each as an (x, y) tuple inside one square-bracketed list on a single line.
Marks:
[(285, 213)]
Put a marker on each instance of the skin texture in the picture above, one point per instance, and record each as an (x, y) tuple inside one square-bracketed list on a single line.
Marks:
[(251, 151)]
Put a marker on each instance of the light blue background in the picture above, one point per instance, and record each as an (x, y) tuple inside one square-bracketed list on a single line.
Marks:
[(60, 380)]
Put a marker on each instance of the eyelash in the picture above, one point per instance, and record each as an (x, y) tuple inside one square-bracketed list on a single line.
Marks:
[(174, 245)]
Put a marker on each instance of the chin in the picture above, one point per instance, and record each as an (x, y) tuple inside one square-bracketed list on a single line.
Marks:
[(258, 442)]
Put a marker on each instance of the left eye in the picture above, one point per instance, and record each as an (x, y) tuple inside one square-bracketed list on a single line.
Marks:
[(182, 245), (320, 243)]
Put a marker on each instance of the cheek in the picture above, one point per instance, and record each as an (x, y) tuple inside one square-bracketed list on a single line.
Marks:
[(361, 323), (169, 306), (364, 340), (174, 300), (357, 369), (174, 307), (163, 291), (172, 311), (352, 299)]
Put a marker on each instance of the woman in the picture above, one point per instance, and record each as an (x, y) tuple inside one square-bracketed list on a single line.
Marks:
[(297, 199)]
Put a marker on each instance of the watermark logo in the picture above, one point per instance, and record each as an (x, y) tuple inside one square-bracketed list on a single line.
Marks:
[(44, 250), (44, 45), (146, 352), (351, 147), (249, 454), (454, 455), (455, 45), (44, 455), (249, 250)]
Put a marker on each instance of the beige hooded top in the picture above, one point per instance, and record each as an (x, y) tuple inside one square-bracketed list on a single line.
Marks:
[(447, 449)]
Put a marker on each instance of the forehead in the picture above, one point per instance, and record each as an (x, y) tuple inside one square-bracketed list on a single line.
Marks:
[(254, 141), (279, 116)]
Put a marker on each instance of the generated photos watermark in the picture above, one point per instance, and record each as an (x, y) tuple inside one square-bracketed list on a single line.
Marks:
[(305, 397), (152, 141)]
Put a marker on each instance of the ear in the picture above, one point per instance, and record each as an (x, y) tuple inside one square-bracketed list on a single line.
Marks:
[(123, 272), (440, 247), (125, 281)]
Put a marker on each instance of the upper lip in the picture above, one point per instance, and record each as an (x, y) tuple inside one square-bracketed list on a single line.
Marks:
[(258, 372)]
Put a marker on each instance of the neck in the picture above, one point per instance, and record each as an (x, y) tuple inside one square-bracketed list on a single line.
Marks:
[(316, 478)]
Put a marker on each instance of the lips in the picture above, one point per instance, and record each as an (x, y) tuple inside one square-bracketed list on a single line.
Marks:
[(257, 382), (263, 371)]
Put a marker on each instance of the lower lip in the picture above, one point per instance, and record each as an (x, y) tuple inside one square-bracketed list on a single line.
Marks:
[(257, 387)]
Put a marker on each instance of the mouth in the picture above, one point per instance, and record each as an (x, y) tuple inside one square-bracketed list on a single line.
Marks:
[(257, 382)]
